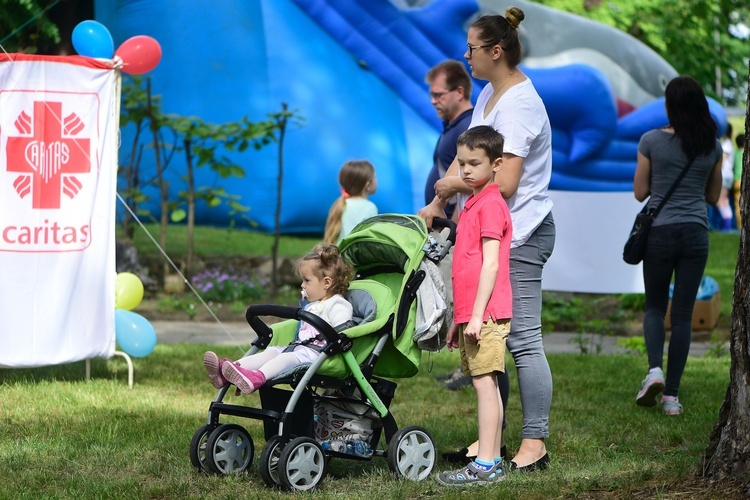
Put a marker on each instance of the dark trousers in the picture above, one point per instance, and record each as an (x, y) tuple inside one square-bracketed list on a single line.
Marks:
[(680, 250)]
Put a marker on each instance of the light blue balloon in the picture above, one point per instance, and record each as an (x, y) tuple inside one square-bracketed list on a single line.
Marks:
[(93, 39), (135, 335)]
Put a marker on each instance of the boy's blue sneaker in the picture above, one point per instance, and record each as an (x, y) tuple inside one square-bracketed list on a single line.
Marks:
[(651, 387), (471, 475)]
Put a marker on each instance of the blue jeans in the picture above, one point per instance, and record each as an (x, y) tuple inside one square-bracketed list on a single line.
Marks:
[(525, 339), (681, 249)]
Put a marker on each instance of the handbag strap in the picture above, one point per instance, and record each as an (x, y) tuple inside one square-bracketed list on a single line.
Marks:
[(674, 186)]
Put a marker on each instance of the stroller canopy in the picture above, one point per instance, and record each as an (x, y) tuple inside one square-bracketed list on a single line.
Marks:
[(389, 248)]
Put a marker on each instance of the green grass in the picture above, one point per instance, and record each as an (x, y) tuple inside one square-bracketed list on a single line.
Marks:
[(215, 241), (722, 263), (64, 437)]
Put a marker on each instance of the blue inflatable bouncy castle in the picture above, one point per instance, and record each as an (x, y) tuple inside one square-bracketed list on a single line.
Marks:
[(354, 69), (225, 59)]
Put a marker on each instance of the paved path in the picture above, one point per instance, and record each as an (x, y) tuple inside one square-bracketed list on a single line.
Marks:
[(240, 333)]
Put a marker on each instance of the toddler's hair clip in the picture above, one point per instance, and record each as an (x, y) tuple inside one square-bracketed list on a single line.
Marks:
[(344, 194)]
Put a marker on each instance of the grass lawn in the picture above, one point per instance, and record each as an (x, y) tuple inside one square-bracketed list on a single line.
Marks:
[(215, 241), (64, 437)]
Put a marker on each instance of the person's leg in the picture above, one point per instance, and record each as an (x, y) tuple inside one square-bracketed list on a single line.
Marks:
[(488, 417), (503, 384), (251, 372), (270, 365), (525, 341), (658, 265), (692, 243), (255, 361)]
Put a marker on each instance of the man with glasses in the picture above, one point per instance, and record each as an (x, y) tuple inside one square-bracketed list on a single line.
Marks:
[(450, 94)]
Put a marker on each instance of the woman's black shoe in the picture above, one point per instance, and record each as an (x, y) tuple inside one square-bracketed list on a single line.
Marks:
[(540, 464), (461, 456), (458, 457)]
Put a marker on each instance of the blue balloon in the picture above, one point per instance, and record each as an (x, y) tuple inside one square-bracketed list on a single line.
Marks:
[(93, 39), (134, 334)]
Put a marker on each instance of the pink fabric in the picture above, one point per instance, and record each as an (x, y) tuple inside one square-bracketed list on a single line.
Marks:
[(484, 215)]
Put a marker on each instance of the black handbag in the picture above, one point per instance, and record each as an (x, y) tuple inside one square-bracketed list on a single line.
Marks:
[(635, 247)]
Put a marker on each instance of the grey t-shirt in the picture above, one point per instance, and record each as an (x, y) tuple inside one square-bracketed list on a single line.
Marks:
[(688, 202)]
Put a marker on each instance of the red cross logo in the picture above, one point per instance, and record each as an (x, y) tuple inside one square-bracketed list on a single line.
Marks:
[(47, 155)]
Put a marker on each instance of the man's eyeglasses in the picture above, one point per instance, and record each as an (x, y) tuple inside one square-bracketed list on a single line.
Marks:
[(473, 47), (439, 95)]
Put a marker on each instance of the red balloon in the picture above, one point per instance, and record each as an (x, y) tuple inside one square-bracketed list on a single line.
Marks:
[(140, 54)]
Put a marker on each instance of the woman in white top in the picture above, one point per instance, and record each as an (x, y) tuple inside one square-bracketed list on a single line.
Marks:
[(510, 104)]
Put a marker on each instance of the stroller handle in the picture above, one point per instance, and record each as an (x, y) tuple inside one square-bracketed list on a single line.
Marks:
[(253, 313), (439, 223)]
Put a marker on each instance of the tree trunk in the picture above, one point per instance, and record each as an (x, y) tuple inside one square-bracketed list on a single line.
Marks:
[(728, 451), (281, 124), (163, 184), (190, 210)]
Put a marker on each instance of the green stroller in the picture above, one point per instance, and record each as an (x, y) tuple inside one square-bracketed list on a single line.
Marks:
[(338, 406)]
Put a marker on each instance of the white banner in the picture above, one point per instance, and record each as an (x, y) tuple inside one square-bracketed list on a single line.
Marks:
[(592, 228), (58, 173)]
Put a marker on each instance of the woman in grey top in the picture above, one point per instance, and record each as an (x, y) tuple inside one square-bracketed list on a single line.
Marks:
[(678, 240)]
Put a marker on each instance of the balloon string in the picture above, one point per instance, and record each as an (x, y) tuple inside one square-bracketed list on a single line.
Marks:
[(48, 7), (171, 263)]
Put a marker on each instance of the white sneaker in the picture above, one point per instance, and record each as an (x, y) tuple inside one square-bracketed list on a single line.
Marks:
[(671, 406), (652, 386)]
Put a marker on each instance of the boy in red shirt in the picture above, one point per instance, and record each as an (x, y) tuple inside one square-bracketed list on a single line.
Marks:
[(482, 297)]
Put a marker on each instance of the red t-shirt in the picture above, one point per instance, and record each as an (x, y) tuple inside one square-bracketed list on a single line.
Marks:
[(484, 215)]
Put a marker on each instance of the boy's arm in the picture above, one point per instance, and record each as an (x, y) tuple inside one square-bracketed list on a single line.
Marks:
[(451, 341), (445, 189), (487, 278)]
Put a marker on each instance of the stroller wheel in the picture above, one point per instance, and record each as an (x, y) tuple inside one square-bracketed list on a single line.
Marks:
[(229, 449), (302, 464), (412, 453), (269, 462), (198, 447)]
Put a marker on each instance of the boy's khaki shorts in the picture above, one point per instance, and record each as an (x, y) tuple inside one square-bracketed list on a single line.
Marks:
[(488, 355)]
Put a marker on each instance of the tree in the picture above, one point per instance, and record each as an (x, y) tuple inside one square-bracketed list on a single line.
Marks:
[(200, 143), (41, 26), (728, 451), (26, 25), (707, 39), (281, 120), (134, 112)]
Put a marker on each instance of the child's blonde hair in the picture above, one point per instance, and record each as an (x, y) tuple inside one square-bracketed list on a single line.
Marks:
[(329, 263), (354, 177)]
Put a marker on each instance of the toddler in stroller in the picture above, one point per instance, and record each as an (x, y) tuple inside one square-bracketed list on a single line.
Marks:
[(325, 277), (348, 381)]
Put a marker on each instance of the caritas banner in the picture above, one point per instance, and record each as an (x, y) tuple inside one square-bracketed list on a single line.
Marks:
[(58, 172)]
